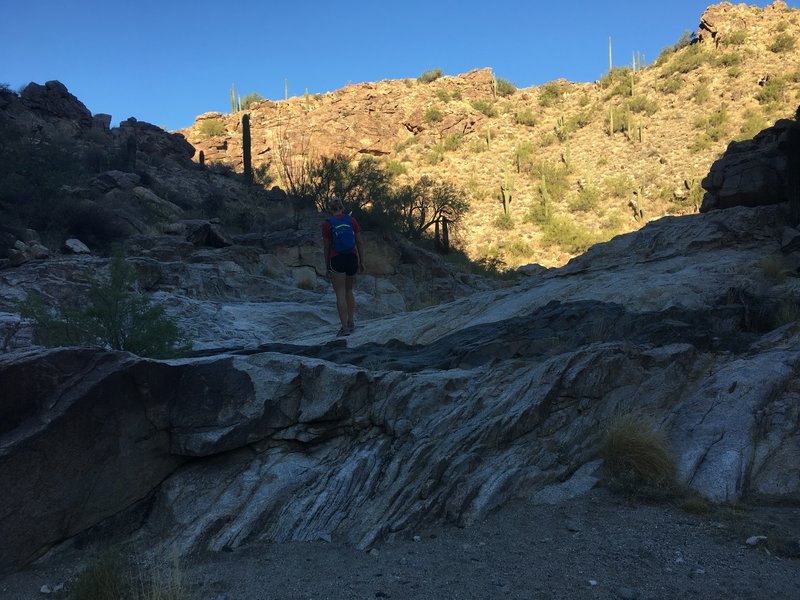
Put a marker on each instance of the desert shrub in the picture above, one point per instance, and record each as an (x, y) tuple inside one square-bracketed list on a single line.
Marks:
[(772, 91), (642, 104), (734, 72), (430, 75), (700, 143), (432, 115), (621, 119), (111, 576), (685, 40), (554, 176), (566, 233), (395, 167), (453, 142), (435, 156), (262, 175), (735, 38), (504, 221), (615, 76), (525, 117), (113, 316), (686, 60), (251, 99), (549, 93), (729, 59), (504, 87), (783, 42), (752, 123), (619, 186), (211, 127), (485, 107), (715, 124), (586, 200), (701, 93), (443, 95), (358, 184), (671, 85), (523, 154), (414, 209), (636, 456)]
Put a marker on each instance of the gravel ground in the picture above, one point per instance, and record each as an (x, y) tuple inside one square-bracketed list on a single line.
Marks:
[(598, 546)]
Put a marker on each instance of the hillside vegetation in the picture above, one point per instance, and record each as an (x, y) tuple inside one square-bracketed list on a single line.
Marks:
[(579, 162)]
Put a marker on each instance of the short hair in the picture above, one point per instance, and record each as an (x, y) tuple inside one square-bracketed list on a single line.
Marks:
[(335, 205)]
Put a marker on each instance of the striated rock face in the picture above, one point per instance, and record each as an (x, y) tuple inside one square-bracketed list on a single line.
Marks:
[(438, 415)]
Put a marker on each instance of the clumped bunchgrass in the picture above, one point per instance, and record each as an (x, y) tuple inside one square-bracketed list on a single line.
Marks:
[(504, 221), (636, 456), (549, 93), (772, 91), (735, 38), (753, 123), (112, 576)]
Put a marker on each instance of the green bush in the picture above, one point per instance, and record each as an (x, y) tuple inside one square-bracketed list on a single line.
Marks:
[(485, 107), (729, 59), (686, 60), (525, 117), (395, 167), (670, 85), (642, 104), (782, 43), (504, 87), (619, 186), (735, 38), (753, 123), (587, 199), (566, 233), (453, 142), (772, 91), (430, 75), (443, 95), (549, 93), (251, 99), (211, 127), (113, 317), (555, 177), (685, 40), (701, 93), (432, 115)]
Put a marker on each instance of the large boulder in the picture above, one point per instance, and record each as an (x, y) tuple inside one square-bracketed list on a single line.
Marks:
[(754, 172), (53, 99)]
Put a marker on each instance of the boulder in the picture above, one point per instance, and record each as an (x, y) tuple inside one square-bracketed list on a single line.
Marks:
[(75, 246), (54, 100), (752, 172)]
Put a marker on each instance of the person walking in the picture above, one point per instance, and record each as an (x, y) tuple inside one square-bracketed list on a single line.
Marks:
[(344, 257)]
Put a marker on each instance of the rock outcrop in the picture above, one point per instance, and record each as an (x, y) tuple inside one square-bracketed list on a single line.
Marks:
[(756, 172), (438, 415)]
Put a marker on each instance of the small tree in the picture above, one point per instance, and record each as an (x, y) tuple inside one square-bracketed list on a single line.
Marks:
[(114, 318), (415, 209)]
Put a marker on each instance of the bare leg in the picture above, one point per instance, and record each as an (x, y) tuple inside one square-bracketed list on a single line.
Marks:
[(339, 287), (351, 301)]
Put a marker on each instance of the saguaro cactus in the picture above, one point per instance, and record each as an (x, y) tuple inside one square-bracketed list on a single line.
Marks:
[(246, 156)]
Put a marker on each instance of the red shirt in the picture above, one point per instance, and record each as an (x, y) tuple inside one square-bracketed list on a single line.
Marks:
[(327, 233)]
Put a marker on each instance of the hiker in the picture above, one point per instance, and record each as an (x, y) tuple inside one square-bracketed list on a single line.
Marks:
[(344, 257)]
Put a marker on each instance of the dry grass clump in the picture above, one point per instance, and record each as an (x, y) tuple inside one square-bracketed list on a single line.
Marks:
[(636, 456), (110, 576)]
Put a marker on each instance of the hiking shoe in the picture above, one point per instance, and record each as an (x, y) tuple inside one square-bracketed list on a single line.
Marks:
[(343, 332), (351, 326)]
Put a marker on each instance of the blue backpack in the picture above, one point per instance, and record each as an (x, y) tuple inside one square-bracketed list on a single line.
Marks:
[(344, 238)]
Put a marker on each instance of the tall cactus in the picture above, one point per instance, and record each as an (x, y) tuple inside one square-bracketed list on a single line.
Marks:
[(235, 105), (246, 156)]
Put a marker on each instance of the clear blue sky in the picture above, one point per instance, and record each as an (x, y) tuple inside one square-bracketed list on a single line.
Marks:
[(166, 62)]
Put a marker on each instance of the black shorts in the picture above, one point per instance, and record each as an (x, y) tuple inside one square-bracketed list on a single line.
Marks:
[(345, 263)]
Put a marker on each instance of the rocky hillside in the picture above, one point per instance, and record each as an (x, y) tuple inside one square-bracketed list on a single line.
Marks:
[(672, 118)]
